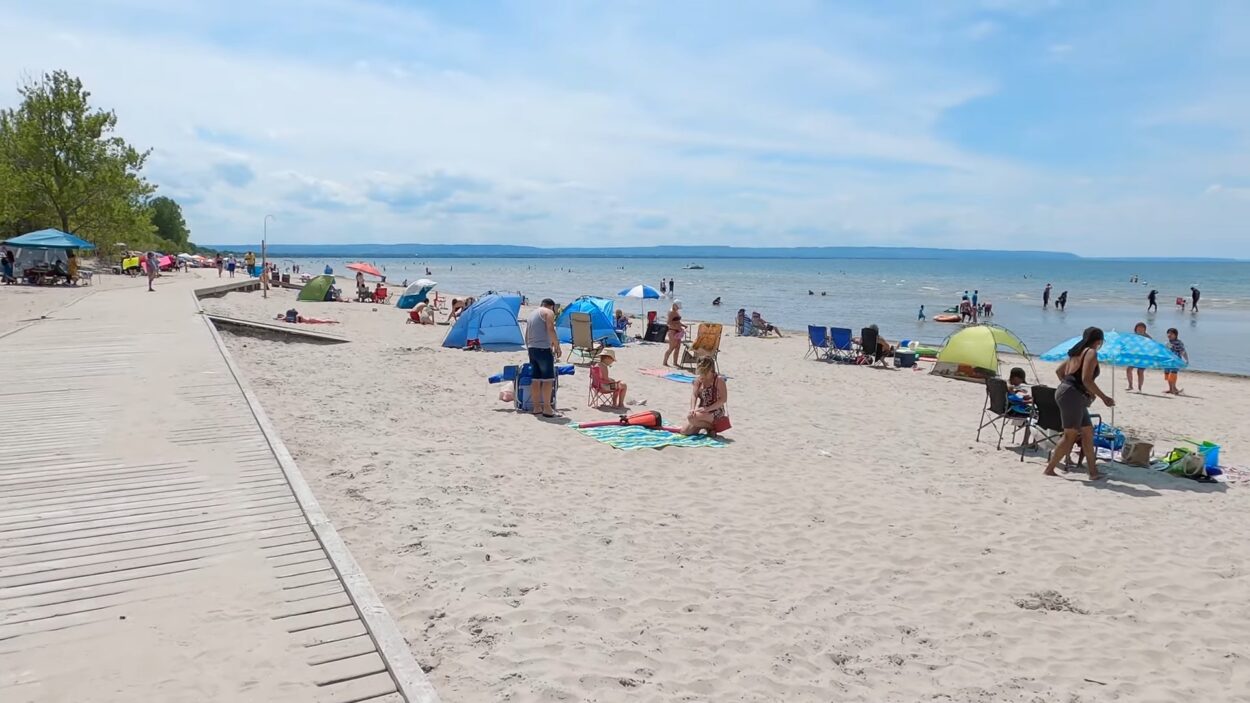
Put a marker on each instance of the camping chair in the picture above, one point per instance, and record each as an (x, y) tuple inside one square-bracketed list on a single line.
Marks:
[(584, 342), (1000, 413), (598, 395), (868, 344), (841, 346), (706, 344), (1047, 422), (380, 294), (818, 343)]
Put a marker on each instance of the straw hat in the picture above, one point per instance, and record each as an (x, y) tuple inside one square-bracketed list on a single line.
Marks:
[(608, 353)]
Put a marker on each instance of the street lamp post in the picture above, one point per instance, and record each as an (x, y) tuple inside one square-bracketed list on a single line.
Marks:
[(264, 258)]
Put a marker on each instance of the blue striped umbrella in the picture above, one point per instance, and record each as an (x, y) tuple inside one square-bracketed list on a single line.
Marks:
[(642, 291)]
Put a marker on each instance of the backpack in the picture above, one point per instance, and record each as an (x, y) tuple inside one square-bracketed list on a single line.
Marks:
[(292, 315)]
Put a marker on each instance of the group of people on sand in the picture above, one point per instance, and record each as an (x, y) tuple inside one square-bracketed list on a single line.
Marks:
[(708, 394), (1078, 389), (755, 325)]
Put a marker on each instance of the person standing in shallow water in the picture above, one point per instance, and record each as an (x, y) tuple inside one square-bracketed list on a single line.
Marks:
[(1152, 301), (672, 287), (1046, 297), (1195, 293), (663, 287)]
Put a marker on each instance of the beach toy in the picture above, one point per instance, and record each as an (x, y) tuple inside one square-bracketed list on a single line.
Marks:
[(946, 318), (1210, 452), (649, 419)]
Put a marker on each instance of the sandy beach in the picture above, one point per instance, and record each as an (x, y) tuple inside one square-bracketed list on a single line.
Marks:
[(850, 542)]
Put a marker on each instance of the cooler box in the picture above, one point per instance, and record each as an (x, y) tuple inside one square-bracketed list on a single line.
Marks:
[(904, 358)]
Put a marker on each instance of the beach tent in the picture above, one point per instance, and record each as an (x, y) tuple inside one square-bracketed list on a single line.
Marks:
[(492, 320), (602, 324), (50, 239), (315, 289), (972, 352), (415, 293)]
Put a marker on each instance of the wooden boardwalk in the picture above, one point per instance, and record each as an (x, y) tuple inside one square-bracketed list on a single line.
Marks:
[(156, 541)]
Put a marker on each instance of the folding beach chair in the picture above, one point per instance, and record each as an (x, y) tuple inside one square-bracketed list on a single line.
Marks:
[(1047, 423), (999, 412), (597, 396), (841, 346), (868, 347), (584, 342), (818, 342), (706, 344)]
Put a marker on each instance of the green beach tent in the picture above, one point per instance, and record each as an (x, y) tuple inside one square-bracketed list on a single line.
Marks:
[(972, 353), (315, 290)]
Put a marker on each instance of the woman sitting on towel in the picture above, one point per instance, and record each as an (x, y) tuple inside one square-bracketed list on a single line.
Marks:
[(707, 400)]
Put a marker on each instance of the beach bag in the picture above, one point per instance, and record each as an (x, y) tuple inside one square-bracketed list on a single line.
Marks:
[(1188, 465), (1136, 453), (648, 418), (721, 424)]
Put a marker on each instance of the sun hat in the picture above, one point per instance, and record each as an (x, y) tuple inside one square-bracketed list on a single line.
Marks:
[(677, 304), (608, 353)]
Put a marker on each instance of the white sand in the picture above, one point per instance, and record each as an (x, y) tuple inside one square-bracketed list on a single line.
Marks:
[(853, 543)]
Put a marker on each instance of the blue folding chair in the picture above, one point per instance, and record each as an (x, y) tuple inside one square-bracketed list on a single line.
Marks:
[(817, 342), (840, 346)]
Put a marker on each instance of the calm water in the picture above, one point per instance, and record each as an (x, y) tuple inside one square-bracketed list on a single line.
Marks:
[(887, 292)]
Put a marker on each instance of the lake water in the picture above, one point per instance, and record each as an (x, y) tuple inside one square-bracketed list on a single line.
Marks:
[(889, 293)]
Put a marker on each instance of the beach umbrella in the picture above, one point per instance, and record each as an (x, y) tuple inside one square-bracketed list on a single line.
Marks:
[(642, 292), (50, 239), (1132, 350), (425, 283), (366, 268)]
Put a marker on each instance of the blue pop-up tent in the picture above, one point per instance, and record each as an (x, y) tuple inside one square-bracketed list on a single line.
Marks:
[(601, 311), (492, 320), (50, 239)]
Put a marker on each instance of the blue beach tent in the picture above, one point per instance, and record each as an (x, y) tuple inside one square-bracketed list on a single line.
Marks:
[(492, 320), (601, 311)]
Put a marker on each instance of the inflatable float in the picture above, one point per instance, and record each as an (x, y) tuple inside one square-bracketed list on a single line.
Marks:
[(946, 317)]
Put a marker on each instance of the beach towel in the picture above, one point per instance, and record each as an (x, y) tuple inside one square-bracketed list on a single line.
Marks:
[(629, 438), (668, 375)]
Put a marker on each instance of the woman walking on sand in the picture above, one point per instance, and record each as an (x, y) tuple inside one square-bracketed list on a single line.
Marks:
[(1076, 392), (676, 332)]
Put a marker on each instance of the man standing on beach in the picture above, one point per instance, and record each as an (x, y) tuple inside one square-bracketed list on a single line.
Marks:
[(543, 346), (1046, 297)]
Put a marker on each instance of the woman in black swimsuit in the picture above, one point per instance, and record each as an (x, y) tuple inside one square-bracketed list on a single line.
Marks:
[(1077, 390)]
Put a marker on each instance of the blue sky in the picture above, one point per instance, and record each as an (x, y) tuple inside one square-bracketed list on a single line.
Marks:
[(1103, 128)]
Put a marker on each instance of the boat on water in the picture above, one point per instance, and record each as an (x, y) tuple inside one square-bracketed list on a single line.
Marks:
[(693, 267)]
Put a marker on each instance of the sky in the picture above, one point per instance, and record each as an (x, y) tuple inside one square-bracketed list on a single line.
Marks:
[(1100, 128)]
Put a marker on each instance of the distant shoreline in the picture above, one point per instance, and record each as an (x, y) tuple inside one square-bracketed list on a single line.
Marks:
[(693, 254)]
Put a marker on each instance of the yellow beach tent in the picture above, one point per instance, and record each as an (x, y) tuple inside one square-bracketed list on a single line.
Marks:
[(972, 352)]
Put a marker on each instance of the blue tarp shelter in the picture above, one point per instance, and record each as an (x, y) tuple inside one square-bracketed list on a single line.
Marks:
[(50, 239), (602, 326), (492, 320)]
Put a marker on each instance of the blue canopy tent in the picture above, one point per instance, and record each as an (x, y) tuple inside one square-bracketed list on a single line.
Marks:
[(602, 324), (50, 239), (492, 320)]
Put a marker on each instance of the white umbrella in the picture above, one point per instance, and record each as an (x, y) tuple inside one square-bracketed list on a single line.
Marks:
[(642, 292), (425, 283)]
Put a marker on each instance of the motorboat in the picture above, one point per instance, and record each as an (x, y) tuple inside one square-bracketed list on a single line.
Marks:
[(693, 267)]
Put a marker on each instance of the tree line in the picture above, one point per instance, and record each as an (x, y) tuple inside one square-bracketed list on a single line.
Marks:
[(63, 166)]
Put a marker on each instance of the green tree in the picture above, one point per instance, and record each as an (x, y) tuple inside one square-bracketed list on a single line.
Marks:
[(61, 164), (167, 218)]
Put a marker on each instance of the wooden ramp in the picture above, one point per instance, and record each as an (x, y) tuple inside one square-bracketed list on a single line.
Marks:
[(157, 543), (275, 329)]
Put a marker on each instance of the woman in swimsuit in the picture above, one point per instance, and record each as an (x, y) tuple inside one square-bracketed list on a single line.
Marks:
[(676, 331), (707, 401), (1077, 390)]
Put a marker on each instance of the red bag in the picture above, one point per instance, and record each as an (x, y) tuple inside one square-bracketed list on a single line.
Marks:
[(721, 424), (648, 418)]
